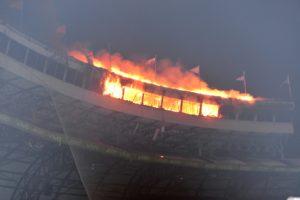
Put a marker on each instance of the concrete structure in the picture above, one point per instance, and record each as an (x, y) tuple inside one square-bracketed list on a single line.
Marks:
[(128, 151)]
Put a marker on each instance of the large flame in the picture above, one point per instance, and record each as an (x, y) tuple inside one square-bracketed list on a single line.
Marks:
[(162, 73), (135, 93), (169, 75), (209, 109)]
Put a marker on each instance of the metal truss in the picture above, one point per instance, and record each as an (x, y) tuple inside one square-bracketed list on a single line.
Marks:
[(111, 178), (34, 169)]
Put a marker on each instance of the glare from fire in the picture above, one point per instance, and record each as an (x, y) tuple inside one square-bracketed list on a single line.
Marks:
[(209, 109), (190, 107), (112, 87), (153, 100), (171, 104), (169, 75), (135, 93)]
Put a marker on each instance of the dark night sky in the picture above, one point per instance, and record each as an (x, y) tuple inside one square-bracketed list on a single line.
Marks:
[(224, 37)]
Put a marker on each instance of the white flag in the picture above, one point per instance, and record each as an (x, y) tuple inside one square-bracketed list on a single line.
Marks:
[(241, 78), (286, 81), (151, 61), (195, 70)]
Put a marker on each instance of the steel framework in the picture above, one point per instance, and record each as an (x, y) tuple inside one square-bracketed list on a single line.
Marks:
[(52, 144), (33, 168), (35, 143)]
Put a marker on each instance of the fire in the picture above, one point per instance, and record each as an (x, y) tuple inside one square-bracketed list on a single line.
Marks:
[(171, 104), (190, 107), (112, 87), (210, 109), (153, 100), (135, 93), (169, 76)]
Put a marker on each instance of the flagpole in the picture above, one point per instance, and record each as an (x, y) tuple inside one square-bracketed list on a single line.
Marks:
[(245, 83), (155, 67), (21, 16), (290, 88), (155, 64), (109, 50), (198, 75)]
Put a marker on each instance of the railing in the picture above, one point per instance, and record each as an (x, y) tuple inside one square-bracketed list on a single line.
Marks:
[(181, 105), (15, 31), (90, 78)]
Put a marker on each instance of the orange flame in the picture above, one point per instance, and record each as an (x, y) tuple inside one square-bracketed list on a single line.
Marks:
[(112, 87), (169, 76), (135, 94), (190, 107), (210, 109)]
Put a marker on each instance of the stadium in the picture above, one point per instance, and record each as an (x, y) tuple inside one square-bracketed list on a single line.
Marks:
[(77, 127), (136, 147)]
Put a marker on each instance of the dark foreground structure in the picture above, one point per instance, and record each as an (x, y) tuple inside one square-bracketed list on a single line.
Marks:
[(62, 139)]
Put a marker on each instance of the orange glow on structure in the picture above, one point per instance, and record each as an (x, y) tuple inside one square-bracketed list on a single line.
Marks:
[(153, 100), (78, 56), (190, 107), (171, 104), (112, 87), (169, 76), (210, 109), (134, 93)]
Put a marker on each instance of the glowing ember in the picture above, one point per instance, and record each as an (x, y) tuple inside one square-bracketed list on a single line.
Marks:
[(169, 76)]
